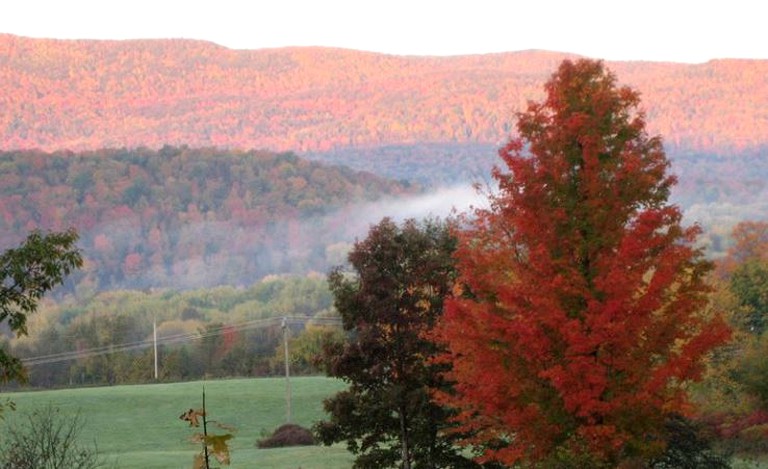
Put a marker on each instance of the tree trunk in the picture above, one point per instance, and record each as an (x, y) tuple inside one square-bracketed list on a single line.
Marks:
[(406, 450)]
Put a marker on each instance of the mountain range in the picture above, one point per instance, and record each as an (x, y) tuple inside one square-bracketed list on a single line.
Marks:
[(86, 94)]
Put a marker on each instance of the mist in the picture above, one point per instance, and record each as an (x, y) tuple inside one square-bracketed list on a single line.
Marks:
[(241, 256), (442, 203)]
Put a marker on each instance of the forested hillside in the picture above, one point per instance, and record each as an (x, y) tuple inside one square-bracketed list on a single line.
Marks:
[(92, 94), (186, 218)]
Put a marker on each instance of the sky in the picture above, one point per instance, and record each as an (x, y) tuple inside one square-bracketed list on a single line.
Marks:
[(652, 30)]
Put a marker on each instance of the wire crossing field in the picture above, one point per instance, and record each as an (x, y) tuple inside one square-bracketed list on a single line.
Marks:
[(139, 427)]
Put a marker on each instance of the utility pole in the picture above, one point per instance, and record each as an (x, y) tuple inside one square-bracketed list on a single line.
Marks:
[(154, 336), (287, 372)]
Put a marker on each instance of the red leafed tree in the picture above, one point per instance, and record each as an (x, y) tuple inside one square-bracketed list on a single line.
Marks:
[(581, 317)]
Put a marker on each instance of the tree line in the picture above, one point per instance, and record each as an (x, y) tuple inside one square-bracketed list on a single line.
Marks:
[(218, 332)]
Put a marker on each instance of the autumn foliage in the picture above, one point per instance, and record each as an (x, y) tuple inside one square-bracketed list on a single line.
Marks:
[(580, 318), (85, 95)]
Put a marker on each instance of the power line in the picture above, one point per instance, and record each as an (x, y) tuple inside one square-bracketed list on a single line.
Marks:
[(175, 339)]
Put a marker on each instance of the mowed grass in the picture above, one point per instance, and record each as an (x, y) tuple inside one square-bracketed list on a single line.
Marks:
[(138, 426)]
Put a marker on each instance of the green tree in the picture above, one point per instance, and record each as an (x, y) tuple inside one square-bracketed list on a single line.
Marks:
[(749, 284), (27, 273), (751, 369), (688, 447), (386, 415), (306, 349)]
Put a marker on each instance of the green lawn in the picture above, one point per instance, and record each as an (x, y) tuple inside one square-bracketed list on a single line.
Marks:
[(139, 427)]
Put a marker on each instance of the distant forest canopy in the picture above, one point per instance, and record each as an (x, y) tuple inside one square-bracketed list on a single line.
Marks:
[(79, 94), (178, 217)]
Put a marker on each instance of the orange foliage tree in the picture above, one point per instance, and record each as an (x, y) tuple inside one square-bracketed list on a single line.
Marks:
[(580, 320), (750, 243)]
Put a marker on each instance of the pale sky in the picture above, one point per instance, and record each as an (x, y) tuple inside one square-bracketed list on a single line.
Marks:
[(655, 30)]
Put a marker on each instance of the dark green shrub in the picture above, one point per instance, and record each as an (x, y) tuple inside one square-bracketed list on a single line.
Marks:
[(288, 435)]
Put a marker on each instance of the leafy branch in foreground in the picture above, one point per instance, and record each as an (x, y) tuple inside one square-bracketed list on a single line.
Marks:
[(212, 445), (27, 272)]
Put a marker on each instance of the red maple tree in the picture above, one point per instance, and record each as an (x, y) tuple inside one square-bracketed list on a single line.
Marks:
[(580, 321)]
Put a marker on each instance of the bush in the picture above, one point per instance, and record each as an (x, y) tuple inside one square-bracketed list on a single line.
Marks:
[(689, 447), (46, 439), (288, 435)]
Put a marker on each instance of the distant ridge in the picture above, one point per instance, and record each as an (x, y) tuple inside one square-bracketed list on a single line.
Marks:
[(85, 95)]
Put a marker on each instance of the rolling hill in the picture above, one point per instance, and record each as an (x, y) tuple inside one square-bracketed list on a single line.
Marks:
[(180, 217)]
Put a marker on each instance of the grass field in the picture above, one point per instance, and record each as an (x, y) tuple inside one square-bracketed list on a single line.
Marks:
[(139, 427)]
